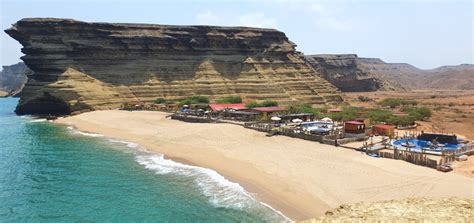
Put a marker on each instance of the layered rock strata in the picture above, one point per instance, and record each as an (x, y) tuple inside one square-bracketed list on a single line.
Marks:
[(80, 66), (13, 78), (349, 73)]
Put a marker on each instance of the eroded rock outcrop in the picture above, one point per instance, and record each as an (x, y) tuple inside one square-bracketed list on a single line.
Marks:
[(349, 73), (81, 66), (13, 78)]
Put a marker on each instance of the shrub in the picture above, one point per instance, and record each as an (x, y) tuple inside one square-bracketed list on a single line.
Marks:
[(378, 115), (305, 108), (269, 103), (419, 113), (363, 98), (262, 104), (160, 101), (451, 104), (230, 100), (194, 100), (403, 121), (396, 102)]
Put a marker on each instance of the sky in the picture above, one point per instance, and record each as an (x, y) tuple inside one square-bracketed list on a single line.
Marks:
[(424, 33)]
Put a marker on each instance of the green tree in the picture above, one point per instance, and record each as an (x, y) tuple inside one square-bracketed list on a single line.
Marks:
[(229, 100)]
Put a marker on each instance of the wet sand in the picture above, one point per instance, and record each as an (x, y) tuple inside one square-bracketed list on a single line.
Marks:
[(300, 178)]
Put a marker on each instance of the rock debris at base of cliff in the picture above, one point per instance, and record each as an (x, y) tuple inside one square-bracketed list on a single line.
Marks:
[(80, 66)]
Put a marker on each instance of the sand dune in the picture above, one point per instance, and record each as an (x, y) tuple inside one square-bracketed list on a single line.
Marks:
[(302, 179)]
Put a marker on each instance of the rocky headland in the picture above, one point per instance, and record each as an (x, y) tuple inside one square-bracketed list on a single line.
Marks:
[(80, 66), (13, 78), (351, 73)]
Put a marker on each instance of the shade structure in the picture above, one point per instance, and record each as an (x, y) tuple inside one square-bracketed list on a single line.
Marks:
[(326, 119), (274, 118)]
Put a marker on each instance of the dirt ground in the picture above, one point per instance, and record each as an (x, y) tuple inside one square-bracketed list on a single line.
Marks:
[(465, 168), (406, 210), (453, 110)]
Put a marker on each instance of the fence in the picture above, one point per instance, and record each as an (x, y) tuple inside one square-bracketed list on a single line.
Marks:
[(193, 119), (262, 127), (412, 157)]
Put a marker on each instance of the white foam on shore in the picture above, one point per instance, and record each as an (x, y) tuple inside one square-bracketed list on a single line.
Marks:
[(128, 144), (220, 191), (38, 120), (77, 132)]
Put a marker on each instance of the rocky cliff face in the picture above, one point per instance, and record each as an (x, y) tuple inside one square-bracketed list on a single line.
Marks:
[(351, 73), (13, 78), (347, 73), (81, 66)]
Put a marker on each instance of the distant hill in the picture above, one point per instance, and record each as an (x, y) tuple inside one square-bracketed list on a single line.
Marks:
[(13, 78), (349, 73)]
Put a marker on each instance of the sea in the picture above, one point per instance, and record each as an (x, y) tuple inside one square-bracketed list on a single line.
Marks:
[(55, 173)]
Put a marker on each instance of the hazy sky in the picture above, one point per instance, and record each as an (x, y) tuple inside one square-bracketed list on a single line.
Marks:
[(425, 33)]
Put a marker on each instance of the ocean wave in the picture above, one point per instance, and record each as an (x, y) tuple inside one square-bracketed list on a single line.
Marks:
[(77, 132), (38, 120), (220, 191), (128, 144)]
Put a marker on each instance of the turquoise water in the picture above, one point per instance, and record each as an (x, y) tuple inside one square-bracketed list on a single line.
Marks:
[(52, 173)]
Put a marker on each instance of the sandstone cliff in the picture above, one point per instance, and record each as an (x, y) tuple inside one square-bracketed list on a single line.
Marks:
[(80, 66), (13, 78), (352, 73)]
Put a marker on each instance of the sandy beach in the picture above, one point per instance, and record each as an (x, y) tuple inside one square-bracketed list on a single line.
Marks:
[(302, 179)]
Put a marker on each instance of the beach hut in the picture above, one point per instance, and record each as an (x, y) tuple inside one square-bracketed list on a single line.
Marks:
[(220, 107), (265, 112), (245, 116), (334, 110), (354, 127), (385, 130), (290, 117)]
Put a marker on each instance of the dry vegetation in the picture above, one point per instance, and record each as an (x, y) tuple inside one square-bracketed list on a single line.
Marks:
[(453, 110), (406, 210)]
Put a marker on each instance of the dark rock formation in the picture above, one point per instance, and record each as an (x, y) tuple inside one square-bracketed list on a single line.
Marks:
[(81, 66), (13, 78), (353, 74), (346, 72)]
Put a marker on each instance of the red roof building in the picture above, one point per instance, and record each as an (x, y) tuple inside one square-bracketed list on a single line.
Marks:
[(386, 130), (219, 107), (333, 110), (354, 127)]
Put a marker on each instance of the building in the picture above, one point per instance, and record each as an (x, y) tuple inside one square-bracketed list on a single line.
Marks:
[(305, 117), (265, 112), (220, 107), (334, 110), (245, 116), (354, 127), (385, 130)]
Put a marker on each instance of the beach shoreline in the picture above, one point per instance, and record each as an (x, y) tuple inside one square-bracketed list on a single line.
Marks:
[(301, 179)]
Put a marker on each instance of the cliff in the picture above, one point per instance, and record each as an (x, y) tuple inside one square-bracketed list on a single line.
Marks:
[(80, 66), (351, 73), (13, 78), (346, 73)]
